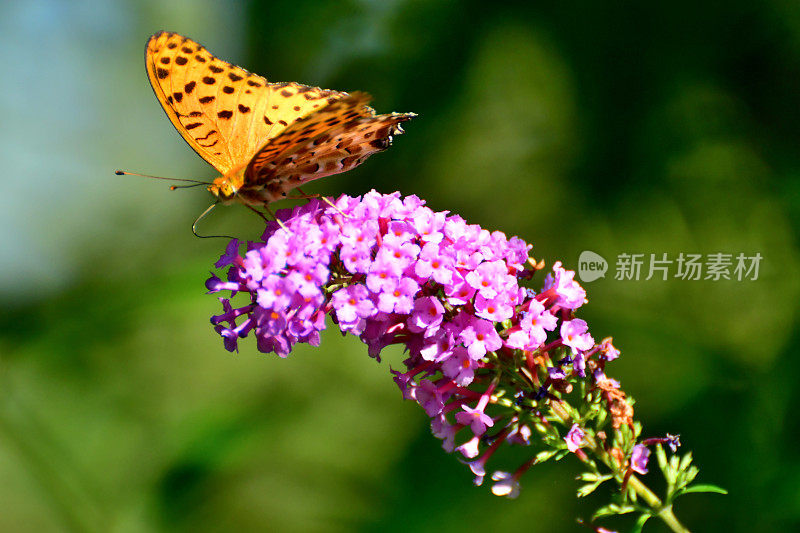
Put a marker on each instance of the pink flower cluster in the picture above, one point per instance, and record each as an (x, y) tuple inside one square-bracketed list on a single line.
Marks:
[(392, 271)]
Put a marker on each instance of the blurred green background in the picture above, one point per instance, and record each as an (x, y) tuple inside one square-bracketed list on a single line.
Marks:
[(616, 127)]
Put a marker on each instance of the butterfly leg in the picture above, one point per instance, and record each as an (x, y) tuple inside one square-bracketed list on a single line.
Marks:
[(262, 215), (303, 196), (259, 213), (281, 224), (323, 198)]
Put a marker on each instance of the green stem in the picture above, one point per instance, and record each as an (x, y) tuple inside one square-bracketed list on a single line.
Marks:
[(562, 410), (664, 512)]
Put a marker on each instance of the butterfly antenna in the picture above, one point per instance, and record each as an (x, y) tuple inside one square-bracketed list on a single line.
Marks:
[(194, 182), (201, 217), (173, 187)]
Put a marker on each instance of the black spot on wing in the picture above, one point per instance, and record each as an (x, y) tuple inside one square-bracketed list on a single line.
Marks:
[(207, 135), (381, 144)]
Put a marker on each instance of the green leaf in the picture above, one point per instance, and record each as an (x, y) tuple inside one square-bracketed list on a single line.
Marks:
[(587, 489), (637, 527), (561, 454), (591, 487), (691, 473), (631, 495), (611, 510), (703, 488), (544, 456), (625, 433), (662, 457), (602, 419), (685, 462)]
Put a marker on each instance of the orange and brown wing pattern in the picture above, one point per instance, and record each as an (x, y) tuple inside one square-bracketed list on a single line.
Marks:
[(329, 141), (307, 129), (225, 113)]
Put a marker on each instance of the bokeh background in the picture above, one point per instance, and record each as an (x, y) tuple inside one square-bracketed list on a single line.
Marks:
[(616, 127)]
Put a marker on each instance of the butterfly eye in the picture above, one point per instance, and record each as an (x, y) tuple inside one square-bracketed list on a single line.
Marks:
[(222, 190)]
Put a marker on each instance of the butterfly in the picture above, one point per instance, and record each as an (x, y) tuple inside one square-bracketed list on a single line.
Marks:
[(264, 139)]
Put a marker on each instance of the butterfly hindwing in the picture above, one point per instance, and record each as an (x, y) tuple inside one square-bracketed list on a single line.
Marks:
[(345, 148), (336, 138), (306, 130)]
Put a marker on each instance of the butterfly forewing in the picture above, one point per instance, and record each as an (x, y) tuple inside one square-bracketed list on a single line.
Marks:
[(224, 112)]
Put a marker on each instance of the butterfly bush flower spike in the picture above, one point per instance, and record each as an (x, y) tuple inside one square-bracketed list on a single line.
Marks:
[(492, 361)]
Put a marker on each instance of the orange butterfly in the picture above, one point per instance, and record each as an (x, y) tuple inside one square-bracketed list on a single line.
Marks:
[(265, 139)]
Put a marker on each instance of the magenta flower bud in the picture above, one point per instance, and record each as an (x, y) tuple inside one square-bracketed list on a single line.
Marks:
[(639, 458), (505, 484), (574, 438)]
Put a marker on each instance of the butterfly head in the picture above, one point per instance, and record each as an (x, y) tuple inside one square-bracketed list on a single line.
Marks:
[(223, 188)]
